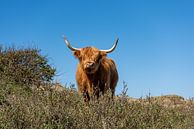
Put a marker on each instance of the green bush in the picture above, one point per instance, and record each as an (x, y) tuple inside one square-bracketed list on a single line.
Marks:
[(24, 66)]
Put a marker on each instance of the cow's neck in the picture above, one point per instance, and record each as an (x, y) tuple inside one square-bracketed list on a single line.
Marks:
[(94, 78)]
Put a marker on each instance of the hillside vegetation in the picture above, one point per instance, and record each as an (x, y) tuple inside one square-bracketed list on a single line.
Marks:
[(29, 100)]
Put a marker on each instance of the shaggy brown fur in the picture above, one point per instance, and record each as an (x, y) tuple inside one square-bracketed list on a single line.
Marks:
[(95, 72)]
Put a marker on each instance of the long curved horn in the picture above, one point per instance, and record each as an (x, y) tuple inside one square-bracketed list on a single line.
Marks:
[(69, 45), (112, 48)]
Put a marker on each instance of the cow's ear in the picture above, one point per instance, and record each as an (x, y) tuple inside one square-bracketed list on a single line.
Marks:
[(76, 54), (102, 53)]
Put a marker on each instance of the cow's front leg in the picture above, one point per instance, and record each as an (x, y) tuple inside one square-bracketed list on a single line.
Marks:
[(83, 90), (86, 96), (96, 90)]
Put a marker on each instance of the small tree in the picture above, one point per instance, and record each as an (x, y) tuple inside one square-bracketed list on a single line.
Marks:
[(25, 66)]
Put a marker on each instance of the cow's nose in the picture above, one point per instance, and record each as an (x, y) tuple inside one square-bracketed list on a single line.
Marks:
[(90, 64)]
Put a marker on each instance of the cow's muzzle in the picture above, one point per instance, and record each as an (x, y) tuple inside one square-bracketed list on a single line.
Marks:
[(90, 67)]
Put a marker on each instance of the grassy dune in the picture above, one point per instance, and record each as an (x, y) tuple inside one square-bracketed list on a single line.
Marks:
[(52, 106)]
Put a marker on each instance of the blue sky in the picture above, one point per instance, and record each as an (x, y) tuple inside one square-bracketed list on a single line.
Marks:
[(155, 52)]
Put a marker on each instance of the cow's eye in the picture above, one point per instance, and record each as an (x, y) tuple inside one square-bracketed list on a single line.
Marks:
[(81, 58), (97, 59)]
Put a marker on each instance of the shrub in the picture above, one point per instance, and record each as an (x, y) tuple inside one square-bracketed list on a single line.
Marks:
[(50, 109), (24, 66)]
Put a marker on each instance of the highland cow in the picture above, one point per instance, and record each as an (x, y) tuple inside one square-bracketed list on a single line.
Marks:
[(96, 73)]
